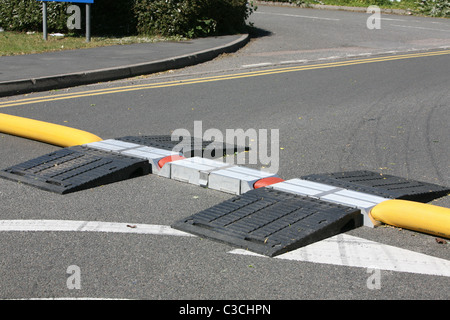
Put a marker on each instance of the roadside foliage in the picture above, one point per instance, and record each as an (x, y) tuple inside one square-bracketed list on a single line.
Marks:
[(187, 18)]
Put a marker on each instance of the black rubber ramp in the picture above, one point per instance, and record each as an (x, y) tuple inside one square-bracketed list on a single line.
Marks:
[(271, 222), (74, 169), (190, 146), (383, 185)]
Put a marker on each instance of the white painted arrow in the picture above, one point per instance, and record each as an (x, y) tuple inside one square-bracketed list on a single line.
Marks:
[(346, 250), (343, 249), (90, 226)]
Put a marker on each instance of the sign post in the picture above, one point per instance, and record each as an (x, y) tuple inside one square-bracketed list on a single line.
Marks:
[(88, 16), (44, 19), (88, 22)]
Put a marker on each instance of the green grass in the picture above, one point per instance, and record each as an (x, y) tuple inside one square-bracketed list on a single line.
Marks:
[(17, 43)]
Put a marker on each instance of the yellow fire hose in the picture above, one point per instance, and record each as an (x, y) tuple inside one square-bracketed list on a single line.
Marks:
[(45, 132)]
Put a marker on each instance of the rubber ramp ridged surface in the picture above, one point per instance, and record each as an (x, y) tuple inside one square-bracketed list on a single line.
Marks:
[(271, 222), (189, 146), (74, 169), (384, 185)]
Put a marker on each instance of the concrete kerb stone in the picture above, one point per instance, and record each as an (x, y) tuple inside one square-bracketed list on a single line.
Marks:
[(8, 88)]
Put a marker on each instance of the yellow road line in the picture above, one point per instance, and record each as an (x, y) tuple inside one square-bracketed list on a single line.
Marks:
[(174, 83)]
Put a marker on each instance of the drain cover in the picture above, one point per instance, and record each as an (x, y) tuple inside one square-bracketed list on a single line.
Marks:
[(271, 222), (383, 185), (76, 168), (189, 146)]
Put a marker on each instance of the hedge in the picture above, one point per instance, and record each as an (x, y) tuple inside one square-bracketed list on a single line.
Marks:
[(435, 8), (189, 18)]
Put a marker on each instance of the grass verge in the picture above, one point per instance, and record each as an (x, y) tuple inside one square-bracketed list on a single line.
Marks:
[(17, 43)]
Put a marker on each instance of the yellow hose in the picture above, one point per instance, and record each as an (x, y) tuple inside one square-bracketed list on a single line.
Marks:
[(45, 132), (412, 215)]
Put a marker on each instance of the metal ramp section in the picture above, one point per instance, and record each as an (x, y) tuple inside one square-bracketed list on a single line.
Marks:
[(76, 168), (155, 156), (382, 185), (188, 146), (195, 170), (236, 179), (271, 222), (363, 201)]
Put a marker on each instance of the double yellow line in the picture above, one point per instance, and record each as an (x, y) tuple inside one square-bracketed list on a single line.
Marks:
[(175, 83)]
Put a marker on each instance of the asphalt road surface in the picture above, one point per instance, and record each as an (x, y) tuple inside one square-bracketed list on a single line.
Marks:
[(343, 98)]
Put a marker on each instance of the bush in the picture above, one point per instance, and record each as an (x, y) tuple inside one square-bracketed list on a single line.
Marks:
[(106, 16), (434, 8), (189, 18), (26, 15)]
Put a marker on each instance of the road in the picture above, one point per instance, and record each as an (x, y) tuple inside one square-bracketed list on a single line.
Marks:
[(342, 97)]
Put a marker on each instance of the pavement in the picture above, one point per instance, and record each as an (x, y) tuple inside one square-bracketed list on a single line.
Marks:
[(55, 70)]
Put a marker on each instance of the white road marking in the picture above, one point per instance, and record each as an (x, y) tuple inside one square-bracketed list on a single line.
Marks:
[(329, 58), (346, 250), (92, 226), (421, 28), (262, 64), (293, 61), (297, 16), (343, 249), (390, 19), (67, 298)]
